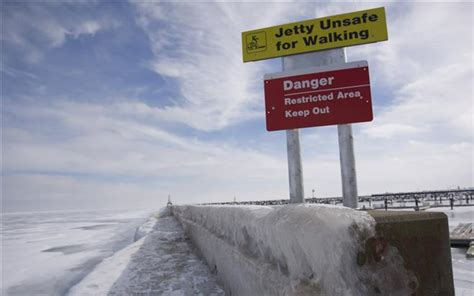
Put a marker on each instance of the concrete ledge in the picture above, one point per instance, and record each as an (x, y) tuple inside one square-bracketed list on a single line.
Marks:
[(228, 262), (321, 250), (422, 238)]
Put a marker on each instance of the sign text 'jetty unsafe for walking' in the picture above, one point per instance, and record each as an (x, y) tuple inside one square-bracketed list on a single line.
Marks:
[(342, 30), (318, 96)]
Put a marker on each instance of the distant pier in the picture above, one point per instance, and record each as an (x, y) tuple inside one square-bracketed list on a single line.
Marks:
[(436, 198)]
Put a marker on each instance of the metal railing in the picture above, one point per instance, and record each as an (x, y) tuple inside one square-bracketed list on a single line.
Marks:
[(436, 196)]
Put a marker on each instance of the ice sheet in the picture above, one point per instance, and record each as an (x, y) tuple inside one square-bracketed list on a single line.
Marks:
[(48, 252)]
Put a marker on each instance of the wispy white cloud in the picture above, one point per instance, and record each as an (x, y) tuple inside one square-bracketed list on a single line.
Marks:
[(34, 28), (422, 38), (388, 164), (440, 99), (101, 144), (390, 130), (198, 45), (413, 166), (428, 76), (89, 27), (421, 136)]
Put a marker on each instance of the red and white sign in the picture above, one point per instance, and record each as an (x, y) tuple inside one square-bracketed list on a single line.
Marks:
[(318, 96)]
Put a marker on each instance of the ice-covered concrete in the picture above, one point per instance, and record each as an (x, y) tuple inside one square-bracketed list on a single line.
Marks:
[(294, 250)]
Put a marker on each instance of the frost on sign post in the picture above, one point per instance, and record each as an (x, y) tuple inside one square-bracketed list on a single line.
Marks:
[(318, 96)]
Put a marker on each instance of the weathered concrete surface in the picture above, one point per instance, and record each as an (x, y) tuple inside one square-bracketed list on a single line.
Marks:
[(322, 250), (422, 238), (296, 250)]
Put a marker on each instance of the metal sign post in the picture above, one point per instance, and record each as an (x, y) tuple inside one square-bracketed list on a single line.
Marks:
[(346, 147), (315, 43), (348, 168), (295, 168)]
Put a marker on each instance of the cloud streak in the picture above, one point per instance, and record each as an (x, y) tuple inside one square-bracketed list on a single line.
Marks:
[(429, 79), (35, 28), (199, 46), (100, 144)]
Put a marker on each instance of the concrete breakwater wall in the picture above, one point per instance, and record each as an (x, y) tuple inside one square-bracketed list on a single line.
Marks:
[(312, 250)]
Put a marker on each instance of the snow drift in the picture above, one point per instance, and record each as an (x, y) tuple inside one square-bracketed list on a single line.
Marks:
[(294, 250)]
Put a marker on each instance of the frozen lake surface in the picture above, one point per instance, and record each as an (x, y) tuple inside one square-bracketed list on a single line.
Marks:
[(49, 252)]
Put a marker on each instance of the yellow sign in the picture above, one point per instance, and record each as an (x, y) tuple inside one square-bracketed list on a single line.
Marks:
[(341, 30)]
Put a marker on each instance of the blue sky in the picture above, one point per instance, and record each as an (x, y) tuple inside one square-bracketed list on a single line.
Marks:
[(118, 104)]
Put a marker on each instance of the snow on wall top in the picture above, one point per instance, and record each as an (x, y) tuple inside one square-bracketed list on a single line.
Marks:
[(316, 244)]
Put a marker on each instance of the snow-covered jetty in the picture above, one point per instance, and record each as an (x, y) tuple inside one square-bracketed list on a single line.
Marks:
[(321, 250)]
